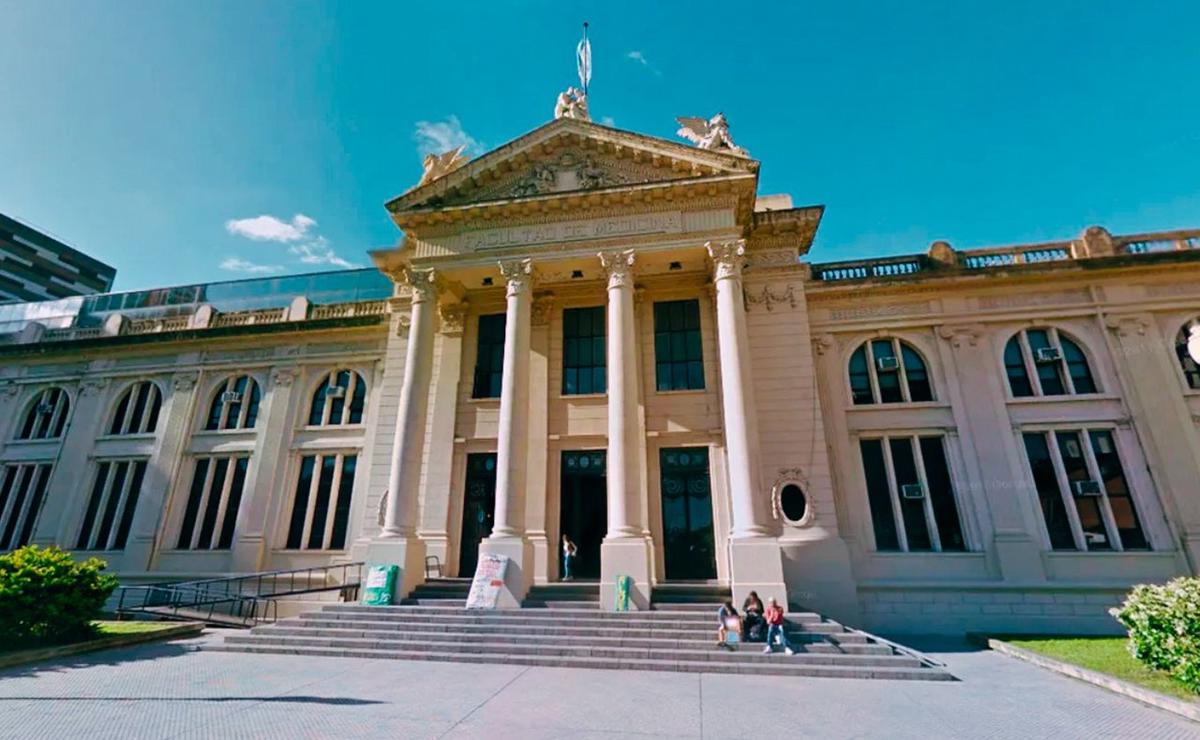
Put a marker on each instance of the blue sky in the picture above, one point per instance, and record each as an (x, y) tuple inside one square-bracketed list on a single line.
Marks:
[(149, 134)]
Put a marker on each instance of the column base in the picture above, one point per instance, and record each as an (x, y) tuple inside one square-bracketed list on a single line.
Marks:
[(1019, 558), (541, 558), (819, 576), (626, 556), (407, 554), (755, 564), (519, 575)]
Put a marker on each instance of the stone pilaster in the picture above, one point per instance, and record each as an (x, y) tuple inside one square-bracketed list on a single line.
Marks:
[(536, 487), (439, 454), (59, 522), (1162, 419), (508, 533), (397, 543), (755, 562), (625, 550)]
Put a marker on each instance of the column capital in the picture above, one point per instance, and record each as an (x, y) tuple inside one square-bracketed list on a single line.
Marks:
[(961, 335), (518, 275), (453, 316), (424, 284), (728, 258), (1127, 325), (618, 266)]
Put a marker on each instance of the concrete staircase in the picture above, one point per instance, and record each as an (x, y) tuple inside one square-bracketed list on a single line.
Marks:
[(569, 635)]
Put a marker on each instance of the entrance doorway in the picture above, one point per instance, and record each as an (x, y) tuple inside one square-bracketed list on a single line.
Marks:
[(584, 515), (689, 550), (479, 509)]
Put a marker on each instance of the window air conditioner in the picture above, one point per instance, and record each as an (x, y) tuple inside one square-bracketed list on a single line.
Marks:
[(1086, 487), (45, 408), (335, 391), (912, 490), (887, 364), (1048, 354), (231, 397), (1094, 538)]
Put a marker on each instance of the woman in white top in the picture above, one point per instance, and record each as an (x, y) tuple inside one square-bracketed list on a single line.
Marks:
[(568, 550)]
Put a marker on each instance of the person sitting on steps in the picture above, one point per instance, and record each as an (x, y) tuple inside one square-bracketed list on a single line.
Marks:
[(569, 550), (774, 616), (754, 629), (728, 621)]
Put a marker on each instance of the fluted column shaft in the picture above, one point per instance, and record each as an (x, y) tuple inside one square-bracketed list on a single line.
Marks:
[(750, 518), (513, 427), (404, 478), (623, 470)]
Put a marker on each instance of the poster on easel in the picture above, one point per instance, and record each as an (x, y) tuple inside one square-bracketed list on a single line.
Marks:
[(488, 580), (624, 583)]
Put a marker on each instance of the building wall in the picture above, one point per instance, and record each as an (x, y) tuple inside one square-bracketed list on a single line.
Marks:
[(35, 266)]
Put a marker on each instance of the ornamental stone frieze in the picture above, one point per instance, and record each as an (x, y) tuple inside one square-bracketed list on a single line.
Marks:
[(403, 323), (284, 376), (1128, 325), (543, 308), (768, 298), (959, 335), (822, 343), (184, 382)]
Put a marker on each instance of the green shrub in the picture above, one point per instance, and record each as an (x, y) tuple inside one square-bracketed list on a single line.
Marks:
[(1164, 628), (48, 597)]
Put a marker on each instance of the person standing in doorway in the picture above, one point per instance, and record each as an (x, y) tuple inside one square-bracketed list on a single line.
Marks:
[(774, 617), (568, 553)]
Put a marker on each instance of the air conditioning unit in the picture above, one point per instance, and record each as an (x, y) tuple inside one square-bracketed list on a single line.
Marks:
[(887, 364), (1048, 354), (1086, 487), (335, 391), (1095, 538), (45, 408), (231, 397), (912, 490)]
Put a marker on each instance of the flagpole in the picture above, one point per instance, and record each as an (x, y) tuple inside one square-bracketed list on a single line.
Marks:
[(588, 46)]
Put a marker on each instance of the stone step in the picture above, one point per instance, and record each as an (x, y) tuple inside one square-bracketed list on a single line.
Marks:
[(752, 653), (541, 604), (666, 641), (519, 630), (658, 615), (524, 621), (781, 668)]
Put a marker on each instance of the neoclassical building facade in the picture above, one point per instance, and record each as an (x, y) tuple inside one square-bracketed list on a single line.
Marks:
[(594, 333)]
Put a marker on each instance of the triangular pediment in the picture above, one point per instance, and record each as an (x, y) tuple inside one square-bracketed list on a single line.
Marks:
[(569, 156)]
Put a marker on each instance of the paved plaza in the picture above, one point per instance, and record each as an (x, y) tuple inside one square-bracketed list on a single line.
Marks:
[(174, 690)]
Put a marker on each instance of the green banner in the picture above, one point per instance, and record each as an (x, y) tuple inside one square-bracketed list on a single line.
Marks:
[(624, 583)]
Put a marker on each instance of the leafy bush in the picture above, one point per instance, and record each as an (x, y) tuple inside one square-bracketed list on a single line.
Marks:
[(1164, 628), (48, 597)]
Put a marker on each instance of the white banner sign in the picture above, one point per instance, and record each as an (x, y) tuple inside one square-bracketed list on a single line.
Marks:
[(489, 579)]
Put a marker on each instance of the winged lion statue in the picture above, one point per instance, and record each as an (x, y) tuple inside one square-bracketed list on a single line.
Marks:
[(710, 134)]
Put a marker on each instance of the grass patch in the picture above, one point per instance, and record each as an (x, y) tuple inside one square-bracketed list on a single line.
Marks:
[(104, 628), (1108, 655)]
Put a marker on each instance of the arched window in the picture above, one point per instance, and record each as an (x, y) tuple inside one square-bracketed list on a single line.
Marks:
[(1191, 369), (339, 399), (47, 415), (234, 404), (888, 371), (137, 411), (1043, 362)]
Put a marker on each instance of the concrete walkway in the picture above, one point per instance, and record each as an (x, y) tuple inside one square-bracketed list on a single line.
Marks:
[(175, 691)]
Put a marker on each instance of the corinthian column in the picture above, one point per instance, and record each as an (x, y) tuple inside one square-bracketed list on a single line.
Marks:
[(508, 532), (625, 550), (755, 562), (397, 543)]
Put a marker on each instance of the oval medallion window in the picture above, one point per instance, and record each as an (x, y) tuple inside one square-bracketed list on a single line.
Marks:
[(793, 503)]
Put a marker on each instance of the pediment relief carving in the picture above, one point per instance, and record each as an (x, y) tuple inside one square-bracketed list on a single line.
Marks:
[(565, 171)]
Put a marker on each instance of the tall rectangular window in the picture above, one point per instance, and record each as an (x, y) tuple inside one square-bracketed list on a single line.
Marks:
[(1085, 497), (584, 358), (110, 507), (678, 358), (213, 500), (321, 507), (22, 489), (489, 356), (910, 494)]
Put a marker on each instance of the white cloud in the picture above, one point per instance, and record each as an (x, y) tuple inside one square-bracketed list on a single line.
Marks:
[(435, 137), (641, 59), (271, 229), (318, 252), (237, 264), (608, 121)]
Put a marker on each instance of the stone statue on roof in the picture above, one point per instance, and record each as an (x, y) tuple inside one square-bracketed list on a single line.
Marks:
[(438, 165), (712, 134), (572, 103)]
